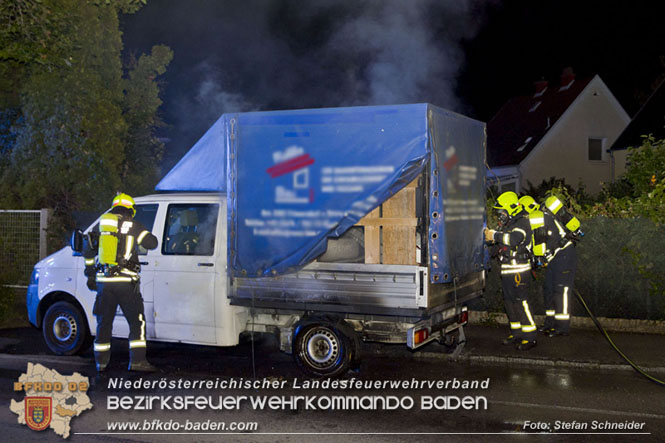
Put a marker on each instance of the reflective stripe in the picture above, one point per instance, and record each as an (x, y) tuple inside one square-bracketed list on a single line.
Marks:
[(528, 314), (101, 347), (562, 232), (128, 247), (89, 261), (555, 205), (528, 328), (516, 325), (123, 202), (516, 271), (562, 316), (142, 327), (137, 344), (513, 265), (520, 230), (550, 313), (565, 299), (128, 272), (551, 257), (537, 221), (506, 239), (113, 222), (142, 236), (105, 279)]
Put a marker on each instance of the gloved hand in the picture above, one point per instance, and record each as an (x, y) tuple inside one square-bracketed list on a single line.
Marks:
[(92, 284), (489, 235)]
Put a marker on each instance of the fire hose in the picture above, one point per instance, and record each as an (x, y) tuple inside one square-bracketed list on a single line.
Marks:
[(615, 347)]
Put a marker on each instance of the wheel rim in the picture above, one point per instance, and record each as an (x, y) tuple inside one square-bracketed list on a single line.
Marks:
[(64, 328), (322, 347)]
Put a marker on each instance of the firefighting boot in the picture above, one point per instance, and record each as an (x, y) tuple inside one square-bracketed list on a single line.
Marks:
[(138, 361), (102, 356), (510, 340), (525, 345)]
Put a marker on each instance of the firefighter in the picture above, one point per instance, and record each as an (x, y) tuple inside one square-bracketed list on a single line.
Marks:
[(555, 241), (514, 238), (115, 274), (537, 220)]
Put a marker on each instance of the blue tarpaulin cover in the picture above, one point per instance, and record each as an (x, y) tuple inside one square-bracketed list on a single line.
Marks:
[(297, 177)]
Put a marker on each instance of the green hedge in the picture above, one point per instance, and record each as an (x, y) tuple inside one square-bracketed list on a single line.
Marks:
[(620, 272)]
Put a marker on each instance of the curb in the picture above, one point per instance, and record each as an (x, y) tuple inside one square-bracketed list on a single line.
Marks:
[(512, 361), (610, 324)]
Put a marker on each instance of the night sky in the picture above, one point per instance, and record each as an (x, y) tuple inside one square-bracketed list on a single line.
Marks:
[(467, 56)]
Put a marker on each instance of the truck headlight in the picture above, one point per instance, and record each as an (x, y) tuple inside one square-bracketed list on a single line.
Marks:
[(34, 278)]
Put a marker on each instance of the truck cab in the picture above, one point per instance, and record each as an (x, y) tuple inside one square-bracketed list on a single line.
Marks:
[(183, 280)]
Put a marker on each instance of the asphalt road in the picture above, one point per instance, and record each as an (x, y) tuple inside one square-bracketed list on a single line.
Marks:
[(520, 400)]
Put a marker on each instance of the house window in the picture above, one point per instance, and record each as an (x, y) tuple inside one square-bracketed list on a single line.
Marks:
[(596, 149)]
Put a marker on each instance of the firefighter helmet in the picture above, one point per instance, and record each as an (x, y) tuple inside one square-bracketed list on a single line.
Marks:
[(125, 201), (509, 202), (507, 205), (528, 203)]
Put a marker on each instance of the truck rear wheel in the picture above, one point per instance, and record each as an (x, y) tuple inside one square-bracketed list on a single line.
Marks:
[(323, 350), (65, 329)]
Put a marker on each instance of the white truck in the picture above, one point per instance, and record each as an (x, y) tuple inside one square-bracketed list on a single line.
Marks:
[(393, 260)]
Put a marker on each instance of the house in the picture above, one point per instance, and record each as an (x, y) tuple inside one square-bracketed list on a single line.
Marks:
[(649, 120), (563, 131)]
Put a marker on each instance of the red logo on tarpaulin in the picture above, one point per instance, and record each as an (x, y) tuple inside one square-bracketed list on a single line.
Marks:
[(292, 164), (302, 161), (38, 412)]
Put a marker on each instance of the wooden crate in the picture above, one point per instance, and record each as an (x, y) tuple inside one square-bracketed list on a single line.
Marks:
[(395, 220)]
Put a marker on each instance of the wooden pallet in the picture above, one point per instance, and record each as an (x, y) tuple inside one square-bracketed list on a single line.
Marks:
[(394, 222)]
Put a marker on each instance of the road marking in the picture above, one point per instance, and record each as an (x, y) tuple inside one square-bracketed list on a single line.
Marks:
[(576, 409)]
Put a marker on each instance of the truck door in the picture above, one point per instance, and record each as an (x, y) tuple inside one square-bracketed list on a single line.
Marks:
[(185, 274)]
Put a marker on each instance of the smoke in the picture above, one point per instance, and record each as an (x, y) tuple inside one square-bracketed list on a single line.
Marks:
[(246, 55)]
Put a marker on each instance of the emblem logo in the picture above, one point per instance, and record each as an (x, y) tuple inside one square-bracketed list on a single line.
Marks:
[(518, 279), (38, 412)]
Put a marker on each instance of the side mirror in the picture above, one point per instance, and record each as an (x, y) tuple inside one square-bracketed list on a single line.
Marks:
[(77, 242)]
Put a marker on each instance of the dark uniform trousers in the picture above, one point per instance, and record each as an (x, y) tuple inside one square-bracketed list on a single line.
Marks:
[(127, 295), (515, 290), (558, 289)]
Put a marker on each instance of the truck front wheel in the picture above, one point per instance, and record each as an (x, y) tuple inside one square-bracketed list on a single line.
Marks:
[(65, 329), (322, 350)]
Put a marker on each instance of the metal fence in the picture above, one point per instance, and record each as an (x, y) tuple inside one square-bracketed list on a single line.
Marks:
[(22, 242)]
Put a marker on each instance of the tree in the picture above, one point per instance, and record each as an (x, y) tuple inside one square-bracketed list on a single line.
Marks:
[(84, 131)]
